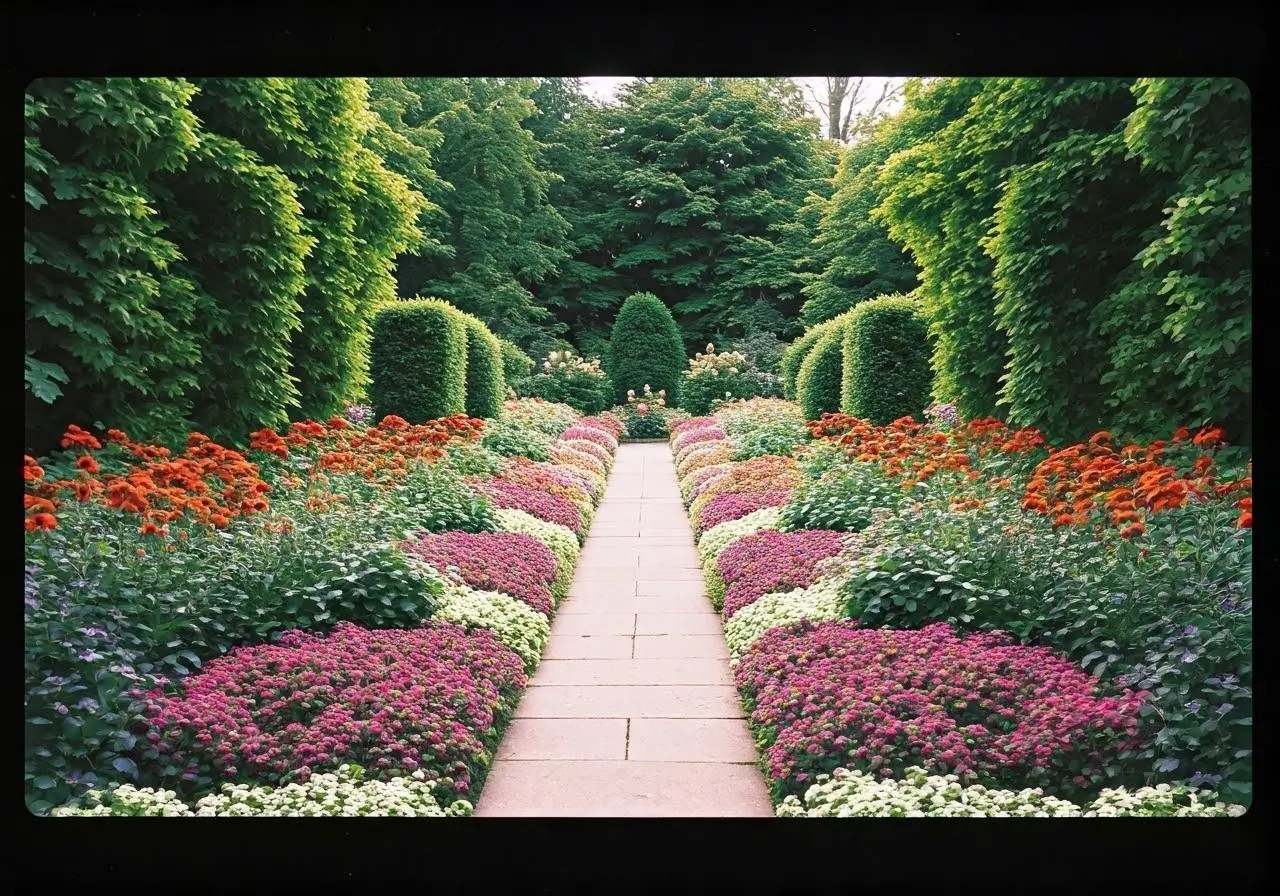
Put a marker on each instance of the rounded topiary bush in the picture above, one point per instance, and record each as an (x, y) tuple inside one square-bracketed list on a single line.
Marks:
[(886, 361), (486, 388), (418, 360), (515, 363), (819, 382), (645, 348), (795, 353)]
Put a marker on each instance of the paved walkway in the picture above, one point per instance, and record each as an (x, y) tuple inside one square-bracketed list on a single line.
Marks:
[(633, 710)]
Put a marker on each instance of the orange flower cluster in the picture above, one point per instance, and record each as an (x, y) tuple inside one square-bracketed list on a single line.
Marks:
[(382, 453), (1129, 483), (208, 483)]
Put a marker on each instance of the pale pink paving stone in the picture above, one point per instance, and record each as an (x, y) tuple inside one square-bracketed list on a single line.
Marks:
[(597, 624), (681, 646), (678, 624), (536, 739), (631, 701), (652, 671), (690, 740), (665, 588), (570, 647)]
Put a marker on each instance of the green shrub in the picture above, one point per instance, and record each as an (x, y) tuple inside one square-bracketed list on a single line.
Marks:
[(819, 381), (645, 348), (510, 439), (795, 353), (515, 364), (568, 379), (485, 386), (418, 360), (886, 373)]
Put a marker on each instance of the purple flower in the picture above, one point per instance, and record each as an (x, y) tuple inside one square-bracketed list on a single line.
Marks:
[(1194, 705), (93, 632), (88, 703), (1228, 604), (61, 708), (89, 656), (1188, 657), (1189, 630), (1226, 708)]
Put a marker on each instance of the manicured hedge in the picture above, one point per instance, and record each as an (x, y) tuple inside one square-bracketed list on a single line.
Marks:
[(486, 388), (418, 360), (818, 382), (515, 363), (645, 348), (886, 373)]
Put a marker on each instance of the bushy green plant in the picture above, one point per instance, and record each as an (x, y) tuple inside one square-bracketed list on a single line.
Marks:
[(647, 426), (418, 360), (846, 498), (569, 379), (762, 349), (795, 353), (513, 440), (485, 386), (645, 348), (886, 373), (713, 377), (778, 438), (818, 382), (515, 363)]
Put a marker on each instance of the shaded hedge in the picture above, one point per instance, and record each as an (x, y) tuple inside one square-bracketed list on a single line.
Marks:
[(645, 348), (418, 360), (486, 387), (819, 381), (515, 363), (795, 353), (886, 372)]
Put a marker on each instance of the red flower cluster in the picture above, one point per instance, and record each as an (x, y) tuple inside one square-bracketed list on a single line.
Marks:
[(834, 695), (384, 699), (509, 562)]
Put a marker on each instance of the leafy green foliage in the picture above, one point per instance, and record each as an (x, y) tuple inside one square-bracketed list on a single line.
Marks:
[(568, 379), (645, 348), (819, 380), (713, 170), (1181, 333), (795, 353), (500, 232), (418, 360), (485, 387), (886, 373), (515, 363), (515, 440)]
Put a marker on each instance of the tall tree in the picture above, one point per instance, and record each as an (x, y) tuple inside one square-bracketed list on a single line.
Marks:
[(711, 169), (843, 95), (503, 233)]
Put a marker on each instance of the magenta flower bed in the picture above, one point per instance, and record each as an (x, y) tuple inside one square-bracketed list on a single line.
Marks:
[(768, 561), (546, 476), (592, 434), (510, 562), (723, 508), (610, 423), (384, 699), (833, 695), (552, 508)]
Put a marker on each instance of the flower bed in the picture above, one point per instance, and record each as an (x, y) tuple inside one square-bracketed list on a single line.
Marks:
[(1127, 565), (310, 526)]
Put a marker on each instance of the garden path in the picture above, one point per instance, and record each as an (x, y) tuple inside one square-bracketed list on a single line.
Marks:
[(632, 711)]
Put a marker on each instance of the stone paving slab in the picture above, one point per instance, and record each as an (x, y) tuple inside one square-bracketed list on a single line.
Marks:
[(632, 711), (626, 789)]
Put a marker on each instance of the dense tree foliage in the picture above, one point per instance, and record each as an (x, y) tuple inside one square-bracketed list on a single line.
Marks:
[(207, 253)]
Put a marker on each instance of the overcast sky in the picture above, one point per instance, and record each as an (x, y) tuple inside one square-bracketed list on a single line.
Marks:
[(605, 89)]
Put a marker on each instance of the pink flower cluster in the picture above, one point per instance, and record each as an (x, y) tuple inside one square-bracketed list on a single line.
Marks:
[(608, 421), (710, 433), (544, 476), (768, 561), (723, 508), (592, 434), (694, 423), (551, 508), (834, 695), (595, 449), (384, 699), (510, 562)]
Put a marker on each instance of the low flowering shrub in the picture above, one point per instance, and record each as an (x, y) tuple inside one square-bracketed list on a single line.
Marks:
[(592, 434), (550, 478), (516, 624), (717, 538), (708, 433), (428, 698), (513, 440), (830, 695), (509, 562), (704, 455), (709, 484), (344, 792), (562, 542), (758, 474), (723, 508), (547, 417), (689, 484), (820, 602), (773, 561), (693, 423), (592, 448), (607, 421), (565, 454), (854, 794), (552, 508)]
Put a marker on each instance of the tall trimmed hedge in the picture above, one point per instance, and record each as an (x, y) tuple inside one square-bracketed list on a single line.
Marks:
[(516, 365), (485, 385), (645, 348), (886, 371), (795, 353), (418, 360), (819, 381)]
